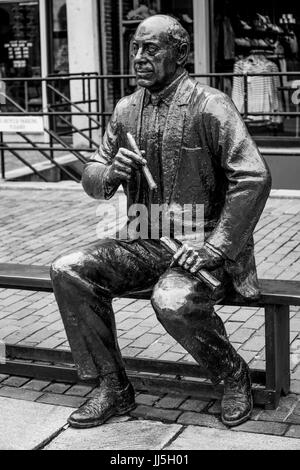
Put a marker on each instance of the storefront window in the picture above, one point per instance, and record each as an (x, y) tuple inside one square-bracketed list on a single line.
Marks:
[(260, 37), (20, 54)]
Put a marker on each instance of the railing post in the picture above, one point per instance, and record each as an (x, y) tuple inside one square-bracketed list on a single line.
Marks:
[(246, 96), (26, 94), (2, 156), (89, 109)]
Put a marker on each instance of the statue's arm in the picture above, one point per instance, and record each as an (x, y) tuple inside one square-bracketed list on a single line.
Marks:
[(94, 178), (248, 177)]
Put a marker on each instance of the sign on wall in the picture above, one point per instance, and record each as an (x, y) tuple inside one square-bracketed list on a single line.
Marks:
[(24, 124)]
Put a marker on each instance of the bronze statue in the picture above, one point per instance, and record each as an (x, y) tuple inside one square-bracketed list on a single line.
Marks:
[(199, 151)]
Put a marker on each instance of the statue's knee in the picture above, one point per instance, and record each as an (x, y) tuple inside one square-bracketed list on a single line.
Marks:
[(66, 266), (179, 301), (169, 304)]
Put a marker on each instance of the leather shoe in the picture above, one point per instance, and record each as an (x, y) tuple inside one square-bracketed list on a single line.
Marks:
[(108, 401), (237, 402)]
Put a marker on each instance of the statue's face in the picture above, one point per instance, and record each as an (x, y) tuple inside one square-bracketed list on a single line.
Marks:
[(155, 59)]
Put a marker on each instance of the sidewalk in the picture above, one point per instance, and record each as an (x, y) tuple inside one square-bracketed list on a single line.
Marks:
[(39, 225), (32, 426)]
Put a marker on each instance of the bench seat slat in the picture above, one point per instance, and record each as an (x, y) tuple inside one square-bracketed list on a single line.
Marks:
[(19, 276), (38, 278)]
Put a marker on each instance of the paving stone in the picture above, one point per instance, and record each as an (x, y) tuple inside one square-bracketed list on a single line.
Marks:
[(243, 315), (197, 438), (293, 419), (294, 432), (256, 343), (166, 416), (171, 356), (261, 427), (215, 408), (145, 435), (170, 402), (141, 411), (241, 335), (61, 400), (295, 386), (284, 409), (25, 425), (145, 340), (194, 405), (200, 419), (57, 388), (79, 390), (14, 381), (154, 351), (36, 385), (92, 393), (145, 399), (232, 326), (296, 374), (19, 393), (297, 408)]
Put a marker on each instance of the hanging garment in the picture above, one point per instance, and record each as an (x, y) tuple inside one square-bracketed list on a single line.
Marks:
[(224, 39), (263, 91)]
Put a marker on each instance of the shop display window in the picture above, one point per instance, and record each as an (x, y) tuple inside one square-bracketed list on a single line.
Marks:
[(20, 54), (260, 37)]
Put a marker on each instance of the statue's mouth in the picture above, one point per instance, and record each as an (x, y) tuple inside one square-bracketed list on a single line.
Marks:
[(144, 73)]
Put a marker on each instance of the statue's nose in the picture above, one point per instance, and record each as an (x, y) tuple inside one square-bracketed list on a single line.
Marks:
[(139, 57)]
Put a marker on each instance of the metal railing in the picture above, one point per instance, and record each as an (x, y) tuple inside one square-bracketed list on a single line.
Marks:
[(63, 118), (76, 108)]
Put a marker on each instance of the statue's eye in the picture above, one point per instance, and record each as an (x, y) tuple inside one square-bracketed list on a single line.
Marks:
[(134, 49), (151, 49)]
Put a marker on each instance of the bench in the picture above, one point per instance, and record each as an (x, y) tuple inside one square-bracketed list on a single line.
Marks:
[(268, 386)]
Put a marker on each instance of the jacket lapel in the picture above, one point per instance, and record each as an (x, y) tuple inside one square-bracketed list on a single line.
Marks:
[(173, 135), (136, 114), (135, 125)]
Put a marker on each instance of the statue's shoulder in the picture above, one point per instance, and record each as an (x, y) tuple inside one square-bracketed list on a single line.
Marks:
[(208, 93), (125, 104), (212, 101)]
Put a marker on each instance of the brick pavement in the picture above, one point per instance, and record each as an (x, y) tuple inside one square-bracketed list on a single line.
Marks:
[(37, 226), (167, 408)]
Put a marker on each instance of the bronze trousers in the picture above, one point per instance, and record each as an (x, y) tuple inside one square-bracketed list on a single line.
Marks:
[(86, 281)]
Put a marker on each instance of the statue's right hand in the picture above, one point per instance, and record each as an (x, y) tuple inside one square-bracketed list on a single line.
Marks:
[(123, 166)]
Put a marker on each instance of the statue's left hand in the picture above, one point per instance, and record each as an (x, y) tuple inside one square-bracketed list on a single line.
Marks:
[(193, 260)]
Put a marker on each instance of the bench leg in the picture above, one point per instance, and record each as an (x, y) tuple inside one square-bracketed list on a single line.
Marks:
[(277, 329)]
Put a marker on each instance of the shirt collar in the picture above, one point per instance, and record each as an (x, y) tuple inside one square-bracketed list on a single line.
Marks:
[(166, 95)]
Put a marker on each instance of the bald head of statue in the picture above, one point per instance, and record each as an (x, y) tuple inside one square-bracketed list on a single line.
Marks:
[(160, 49)]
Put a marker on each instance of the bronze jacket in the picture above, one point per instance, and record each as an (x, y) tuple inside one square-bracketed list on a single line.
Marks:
[(208, 158)]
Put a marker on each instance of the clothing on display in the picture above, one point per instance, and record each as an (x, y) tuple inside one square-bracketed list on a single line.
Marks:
[(224, 38), (263, 91)]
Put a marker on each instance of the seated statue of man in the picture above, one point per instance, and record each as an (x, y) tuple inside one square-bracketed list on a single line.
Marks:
[(199, 151)]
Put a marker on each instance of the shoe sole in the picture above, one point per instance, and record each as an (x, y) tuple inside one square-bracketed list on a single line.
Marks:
[(99, 422), (231, 424)]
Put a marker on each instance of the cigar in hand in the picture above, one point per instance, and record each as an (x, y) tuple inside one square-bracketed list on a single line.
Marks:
[(145, 168)]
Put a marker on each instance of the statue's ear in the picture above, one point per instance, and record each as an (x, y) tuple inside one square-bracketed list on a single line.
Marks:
[(182, 55)]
